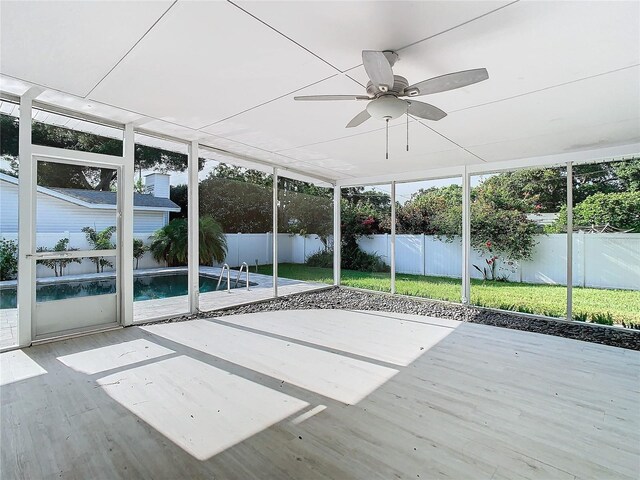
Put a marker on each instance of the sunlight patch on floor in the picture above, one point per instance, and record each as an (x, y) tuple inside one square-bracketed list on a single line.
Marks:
[(17, 365), (101, 359), (200, 408), (335, 376), (393, 338)]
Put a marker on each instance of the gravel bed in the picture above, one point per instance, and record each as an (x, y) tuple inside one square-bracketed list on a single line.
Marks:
[(350, 299)]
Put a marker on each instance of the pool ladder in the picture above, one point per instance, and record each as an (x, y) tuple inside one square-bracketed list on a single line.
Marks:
[(244, 266), (226, 268)]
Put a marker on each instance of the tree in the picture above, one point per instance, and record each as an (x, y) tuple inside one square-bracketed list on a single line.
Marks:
[(239, 206), (170, 243), (498, 216), (100, 240), (424, 211), (59, 264), (139, 249), (361, 218), (619, 210), (305, 209), (71, 176)]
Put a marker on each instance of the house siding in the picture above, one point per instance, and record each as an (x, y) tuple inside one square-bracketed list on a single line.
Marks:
[(57, 216)]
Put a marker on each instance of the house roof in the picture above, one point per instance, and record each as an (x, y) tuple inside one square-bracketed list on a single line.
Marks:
[(109, 198), (101, 200)]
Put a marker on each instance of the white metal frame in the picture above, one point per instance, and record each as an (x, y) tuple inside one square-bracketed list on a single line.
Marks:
[(337, 236), (392, 253), (274, 237), (26, 270), (41, 153), (193, 250), (569, 241)]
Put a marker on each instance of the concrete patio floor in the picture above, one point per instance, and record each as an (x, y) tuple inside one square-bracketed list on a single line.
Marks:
[(320, 394)]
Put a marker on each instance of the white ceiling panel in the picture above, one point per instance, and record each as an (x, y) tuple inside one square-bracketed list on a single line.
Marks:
[(588, 138), (87, 107), (564, 76), (275, 159), (285, 123), (70, 45), (205, 61), (12, 86), (339, 31), (525, 47), (571, 115), (364, 154)]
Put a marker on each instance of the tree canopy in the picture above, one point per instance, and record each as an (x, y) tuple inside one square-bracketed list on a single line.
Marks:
[(71, 176)]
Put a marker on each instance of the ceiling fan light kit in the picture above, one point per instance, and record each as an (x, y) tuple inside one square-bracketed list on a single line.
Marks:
[(386, 91)]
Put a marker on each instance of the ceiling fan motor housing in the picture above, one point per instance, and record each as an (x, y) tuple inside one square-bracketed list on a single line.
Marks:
[(399, 84)]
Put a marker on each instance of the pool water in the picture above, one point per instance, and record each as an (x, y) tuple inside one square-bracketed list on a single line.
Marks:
[(145, 287)]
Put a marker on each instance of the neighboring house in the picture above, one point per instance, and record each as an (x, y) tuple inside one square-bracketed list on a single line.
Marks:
[(69, 210)]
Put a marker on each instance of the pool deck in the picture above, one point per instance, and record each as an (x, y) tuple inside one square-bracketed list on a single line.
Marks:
[(147, 310)]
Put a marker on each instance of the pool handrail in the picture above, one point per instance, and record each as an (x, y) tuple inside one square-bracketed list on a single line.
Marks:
[(225, 266), (244, 266)]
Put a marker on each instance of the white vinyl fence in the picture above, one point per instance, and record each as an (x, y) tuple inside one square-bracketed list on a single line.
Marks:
[(603, 260)]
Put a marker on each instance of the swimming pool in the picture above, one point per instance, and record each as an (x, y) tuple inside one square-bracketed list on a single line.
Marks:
[(145, 287)]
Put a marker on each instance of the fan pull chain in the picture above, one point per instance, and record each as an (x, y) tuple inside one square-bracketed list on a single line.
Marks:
[(407, 126), (387, 139)]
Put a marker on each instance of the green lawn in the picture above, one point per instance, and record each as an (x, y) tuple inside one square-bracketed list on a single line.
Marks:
[(622, 305)]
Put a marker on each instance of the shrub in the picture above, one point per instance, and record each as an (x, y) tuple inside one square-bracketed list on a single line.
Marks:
[(602, 318), (322, 258), (8, 259), (357, 259), (170, 243), (580, 316), (619, 210)]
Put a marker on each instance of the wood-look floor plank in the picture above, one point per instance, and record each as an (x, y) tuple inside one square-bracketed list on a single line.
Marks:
[(477, 402)]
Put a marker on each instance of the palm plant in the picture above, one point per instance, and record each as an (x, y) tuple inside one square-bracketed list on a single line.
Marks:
[(170, 243), (58, 265), (100, 240), (139, 249)]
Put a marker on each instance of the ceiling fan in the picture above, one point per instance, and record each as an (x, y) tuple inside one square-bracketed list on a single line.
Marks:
[(386, 91)]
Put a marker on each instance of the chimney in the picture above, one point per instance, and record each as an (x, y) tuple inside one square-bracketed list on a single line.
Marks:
[(157, 184)]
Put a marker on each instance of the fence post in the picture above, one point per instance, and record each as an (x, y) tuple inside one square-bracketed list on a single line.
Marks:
[(424, 255)]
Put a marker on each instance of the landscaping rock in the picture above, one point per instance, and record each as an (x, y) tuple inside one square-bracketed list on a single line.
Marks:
[(351, 299)]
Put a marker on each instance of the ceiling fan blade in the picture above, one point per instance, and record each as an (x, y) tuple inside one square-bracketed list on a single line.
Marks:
[(378, 69), (450, 81), (359, 119), (315, 98), (424, 110)]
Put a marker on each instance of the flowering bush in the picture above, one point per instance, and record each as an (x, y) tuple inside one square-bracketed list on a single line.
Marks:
[(489, 272)]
